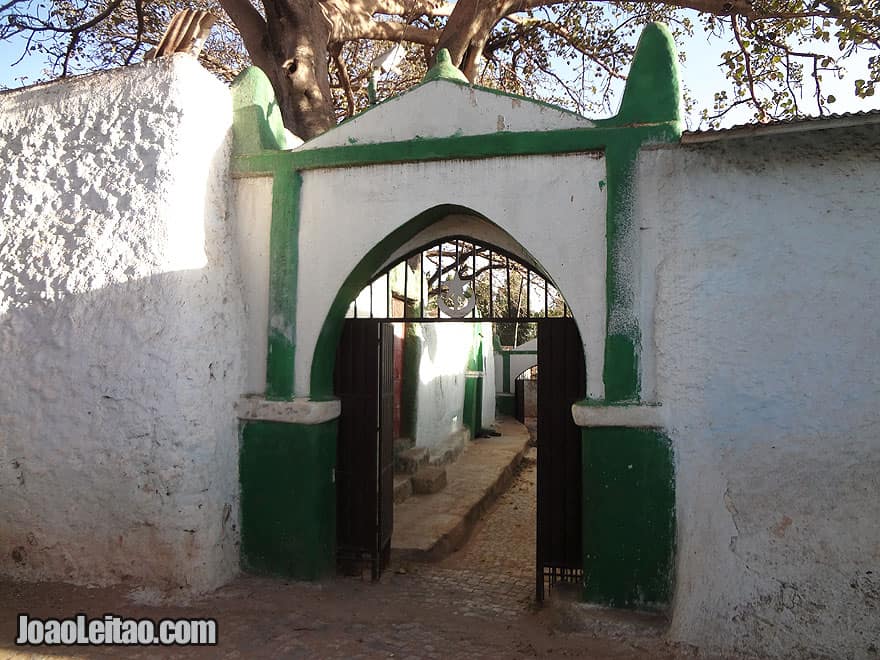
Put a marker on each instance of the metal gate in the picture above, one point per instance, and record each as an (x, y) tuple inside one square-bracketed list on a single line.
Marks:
[(561, 382), (363, 381), (503, 289), (519, 406)]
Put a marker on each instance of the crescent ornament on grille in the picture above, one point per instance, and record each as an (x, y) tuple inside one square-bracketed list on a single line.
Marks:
[(456, 291)]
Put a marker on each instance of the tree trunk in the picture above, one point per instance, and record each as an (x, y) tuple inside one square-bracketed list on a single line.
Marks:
[(467, 30), (298, 39), (291, 47)]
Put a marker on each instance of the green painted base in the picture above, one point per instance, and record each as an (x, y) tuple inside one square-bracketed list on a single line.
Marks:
[(288, 499), (472, 412), (628, 517), (505, 404)]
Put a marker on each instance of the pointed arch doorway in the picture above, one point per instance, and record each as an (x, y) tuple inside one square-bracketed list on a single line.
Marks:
[(456, 279)]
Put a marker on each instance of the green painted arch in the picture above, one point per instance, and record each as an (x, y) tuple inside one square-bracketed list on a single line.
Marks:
[(324, 356)]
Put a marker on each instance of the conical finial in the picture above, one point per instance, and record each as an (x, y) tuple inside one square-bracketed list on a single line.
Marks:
[(652, 90), (444, 69)]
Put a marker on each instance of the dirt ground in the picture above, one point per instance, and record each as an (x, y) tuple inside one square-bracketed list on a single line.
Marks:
[(477, 603)]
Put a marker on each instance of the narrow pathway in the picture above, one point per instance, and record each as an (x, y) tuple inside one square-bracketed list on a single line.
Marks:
[(495, 569), (430, 527)]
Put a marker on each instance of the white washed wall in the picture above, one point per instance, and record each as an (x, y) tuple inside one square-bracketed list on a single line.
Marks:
[(120, 330), (251, 215), (488, 415), (765, 259), (461, 110), (518, 363), (441, 380), (446, 352), (554, 206)]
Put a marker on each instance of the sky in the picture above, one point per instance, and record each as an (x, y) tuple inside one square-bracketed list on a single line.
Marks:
[(700, 73), (29, 68)]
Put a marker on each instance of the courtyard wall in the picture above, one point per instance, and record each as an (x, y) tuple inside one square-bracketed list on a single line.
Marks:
[(761, 321), (121, 328)]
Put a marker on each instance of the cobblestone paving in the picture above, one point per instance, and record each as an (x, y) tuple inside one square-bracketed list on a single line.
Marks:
[(496, 568)]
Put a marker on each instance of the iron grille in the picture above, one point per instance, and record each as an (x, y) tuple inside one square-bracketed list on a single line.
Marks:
[(459, 279)]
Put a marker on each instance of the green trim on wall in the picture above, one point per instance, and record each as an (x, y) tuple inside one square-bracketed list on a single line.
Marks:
[(525, 143), (469, 414), (623, 335), (283, 262), (628, 516), (472, 408), (652, 95), (288, 499), (620, 137), (505, 365)]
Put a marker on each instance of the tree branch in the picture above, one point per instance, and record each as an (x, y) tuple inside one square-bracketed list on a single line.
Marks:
[(76, 29), (727, 109), (384, 31), (342, 74), (568, 38), (251, 25), (139, 10), (714, 7), (748, 64), (411, 9)]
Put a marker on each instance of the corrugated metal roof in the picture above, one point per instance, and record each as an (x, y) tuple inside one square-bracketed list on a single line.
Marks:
[(841, 120)]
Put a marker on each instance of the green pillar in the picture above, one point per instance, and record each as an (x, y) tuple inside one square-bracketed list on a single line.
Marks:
[(288, 498), (628, 516), (472, 415), (628, 476), (478, 394)]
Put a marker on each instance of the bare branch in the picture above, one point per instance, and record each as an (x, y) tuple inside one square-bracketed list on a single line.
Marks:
[(727, 109), (750, 80), (342, 74), (139, 9), (11, 4), (76, 29), (568, 38), (714, 7), (247, 19), (526, 5), (818, 86)]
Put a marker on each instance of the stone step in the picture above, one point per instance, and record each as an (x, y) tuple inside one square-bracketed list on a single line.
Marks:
[(449, 451), (402, 444), (410, 460), (403, 487), (430, 527), (429, 479)]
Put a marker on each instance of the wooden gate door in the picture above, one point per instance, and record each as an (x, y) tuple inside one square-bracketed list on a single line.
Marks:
[(561, 382), (386, 446), (519, 387), (364, 462)]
